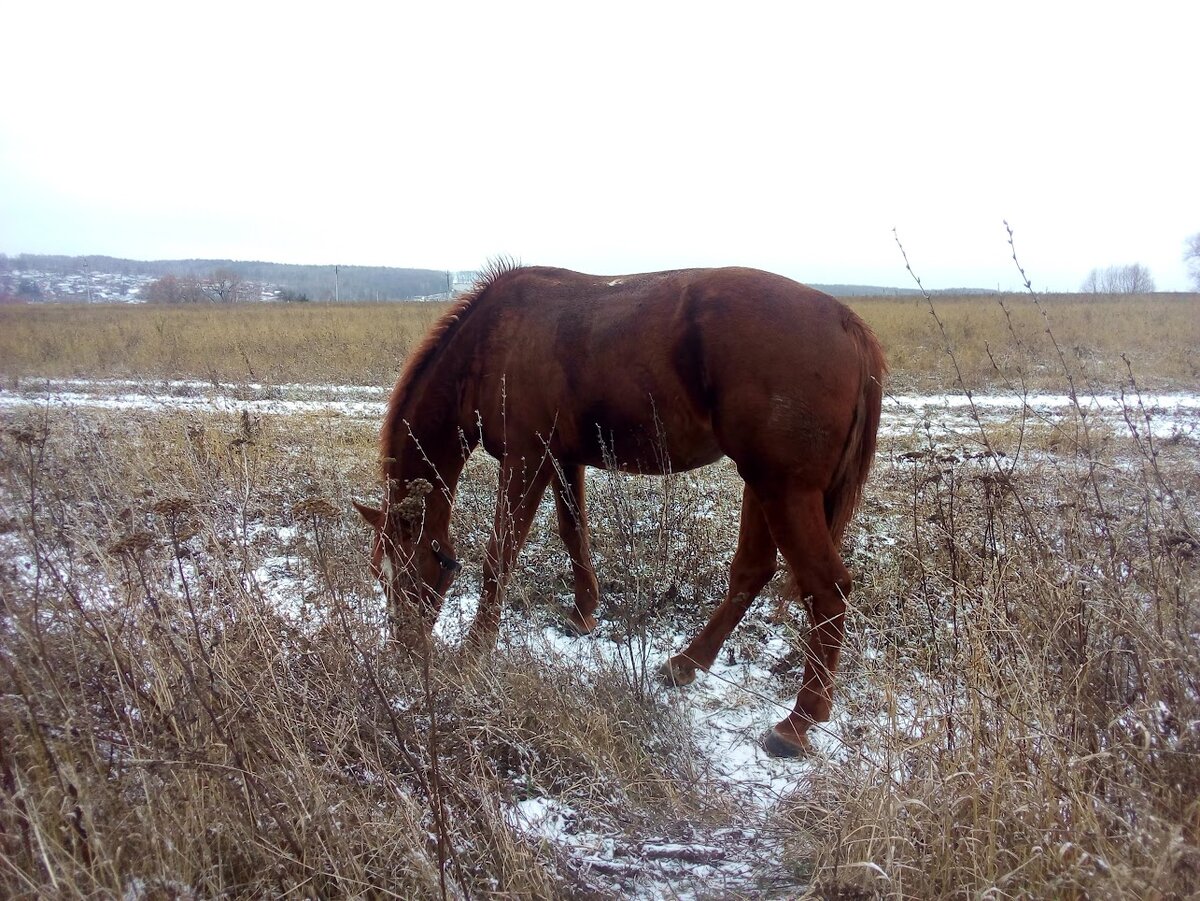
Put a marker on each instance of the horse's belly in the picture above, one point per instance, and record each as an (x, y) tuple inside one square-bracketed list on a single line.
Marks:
[(650, 448)]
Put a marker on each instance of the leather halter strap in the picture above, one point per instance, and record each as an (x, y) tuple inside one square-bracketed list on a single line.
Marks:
[(448, 564)]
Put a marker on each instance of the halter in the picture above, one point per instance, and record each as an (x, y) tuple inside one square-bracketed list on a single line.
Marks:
[(448, 564), (411, 508)]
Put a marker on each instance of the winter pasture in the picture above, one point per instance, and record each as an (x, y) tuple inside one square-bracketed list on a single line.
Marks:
[(197, 698)]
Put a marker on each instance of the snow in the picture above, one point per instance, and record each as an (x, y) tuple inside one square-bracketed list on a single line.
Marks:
[(729, 708), (170, 396), (1166, 415), (544, 818)]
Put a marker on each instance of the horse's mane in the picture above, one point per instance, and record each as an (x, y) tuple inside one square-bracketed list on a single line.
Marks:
[(419, 360)]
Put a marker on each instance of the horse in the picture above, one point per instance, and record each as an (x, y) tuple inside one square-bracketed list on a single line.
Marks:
[(553, 371)]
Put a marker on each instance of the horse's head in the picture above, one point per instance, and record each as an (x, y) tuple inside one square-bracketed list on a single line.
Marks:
[(410, 555)]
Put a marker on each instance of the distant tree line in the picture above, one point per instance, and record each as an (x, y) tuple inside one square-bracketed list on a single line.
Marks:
[(314, 282), (1131, 279)]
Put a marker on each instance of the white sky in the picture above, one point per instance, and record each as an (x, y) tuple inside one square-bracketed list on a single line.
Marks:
[(609, 137)]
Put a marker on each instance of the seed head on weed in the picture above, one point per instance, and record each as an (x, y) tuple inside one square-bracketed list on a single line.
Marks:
[(412, 506)]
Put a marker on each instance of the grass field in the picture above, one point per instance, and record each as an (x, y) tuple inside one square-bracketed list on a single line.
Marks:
[(997, 341), (196, 700)]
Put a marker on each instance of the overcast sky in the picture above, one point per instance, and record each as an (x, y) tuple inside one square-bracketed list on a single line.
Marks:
[(609, 137)]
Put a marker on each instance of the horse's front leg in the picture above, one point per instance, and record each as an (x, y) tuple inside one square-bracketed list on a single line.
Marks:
[(517, 501), (753, 565), (573, 528)]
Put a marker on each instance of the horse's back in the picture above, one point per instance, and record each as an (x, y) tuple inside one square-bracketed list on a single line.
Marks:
[(688, 364)]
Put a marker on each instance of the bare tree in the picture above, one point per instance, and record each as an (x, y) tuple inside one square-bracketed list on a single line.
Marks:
[(1132, 279), (162, 290), (1191, 256), (222, 286), (171, 289)]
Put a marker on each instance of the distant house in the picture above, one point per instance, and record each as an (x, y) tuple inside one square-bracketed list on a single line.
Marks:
[(463, 281)]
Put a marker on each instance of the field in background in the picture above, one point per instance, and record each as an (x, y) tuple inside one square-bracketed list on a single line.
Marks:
[(1000, 342), (273, 343), (997, 342), (195, 698)]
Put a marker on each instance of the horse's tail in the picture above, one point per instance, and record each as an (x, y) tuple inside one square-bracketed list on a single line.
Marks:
[(845, 489)]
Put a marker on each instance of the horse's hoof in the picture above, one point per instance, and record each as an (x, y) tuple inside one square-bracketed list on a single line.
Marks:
[(580, 629), (777, 745), (676, 674)]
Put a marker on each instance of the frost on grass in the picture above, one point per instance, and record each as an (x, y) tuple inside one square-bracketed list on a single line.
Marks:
[(201, 651)]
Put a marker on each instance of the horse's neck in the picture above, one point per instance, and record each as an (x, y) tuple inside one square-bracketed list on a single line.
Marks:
[(426, 443)]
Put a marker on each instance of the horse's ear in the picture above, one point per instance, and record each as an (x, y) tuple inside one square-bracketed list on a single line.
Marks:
[(373, 517)]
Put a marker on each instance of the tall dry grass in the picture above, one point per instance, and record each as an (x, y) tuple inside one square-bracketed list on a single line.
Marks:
[(367, 343), (269, 342), (1161, 332), (1036, 646), (196, 697), (1022, 677)]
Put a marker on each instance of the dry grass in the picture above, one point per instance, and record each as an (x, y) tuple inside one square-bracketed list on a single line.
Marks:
[(196, 699), (1000, 340), (169, 727), (1023, 681), (366, 343), (359, 344)]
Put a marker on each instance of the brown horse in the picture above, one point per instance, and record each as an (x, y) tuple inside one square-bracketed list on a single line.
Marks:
[(553, 370)]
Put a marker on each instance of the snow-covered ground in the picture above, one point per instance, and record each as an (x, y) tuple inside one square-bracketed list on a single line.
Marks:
[(729, 708), (1173, 415), (1166, 415)]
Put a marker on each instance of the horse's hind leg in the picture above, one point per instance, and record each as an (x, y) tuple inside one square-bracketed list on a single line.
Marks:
[(753, 565), (569, 501), (797, 521)]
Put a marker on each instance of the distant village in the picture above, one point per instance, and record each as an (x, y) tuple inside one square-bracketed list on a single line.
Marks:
[(30, 278), (20, 284), (37, 286)]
